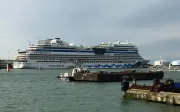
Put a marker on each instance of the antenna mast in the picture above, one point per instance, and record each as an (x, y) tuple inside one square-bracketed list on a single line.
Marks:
[(29, 43)]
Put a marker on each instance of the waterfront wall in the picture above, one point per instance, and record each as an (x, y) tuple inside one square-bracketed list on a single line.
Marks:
[(162, 97), (3, 63)]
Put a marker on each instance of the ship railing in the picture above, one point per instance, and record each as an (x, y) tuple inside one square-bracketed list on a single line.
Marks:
[(158, 68), (174, 68), (164, 68)]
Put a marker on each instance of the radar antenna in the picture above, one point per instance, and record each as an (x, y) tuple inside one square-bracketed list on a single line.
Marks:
[(29, 43)]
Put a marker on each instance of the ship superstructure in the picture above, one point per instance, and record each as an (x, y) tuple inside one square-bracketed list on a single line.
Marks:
[(56, 53)]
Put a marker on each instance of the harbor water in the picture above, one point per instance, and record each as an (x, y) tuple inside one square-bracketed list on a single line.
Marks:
[(32, 90)]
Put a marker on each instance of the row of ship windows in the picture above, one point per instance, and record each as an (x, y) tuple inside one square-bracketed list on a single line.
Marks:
[(26, 63), (49, 52), (60, 58), (41, 52), (71, 60), (56, 55), (108, 49), (64, 60), (109, 62), (75, 57), (87, 62)]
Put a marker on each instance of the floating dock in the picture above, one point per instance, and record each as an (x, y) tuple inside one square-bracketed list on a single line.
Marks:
[(103, 76), (164, 93)]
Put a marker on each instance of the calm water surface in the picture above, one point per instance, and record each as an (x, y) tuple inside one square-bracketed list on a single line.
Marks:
[(40, 91)]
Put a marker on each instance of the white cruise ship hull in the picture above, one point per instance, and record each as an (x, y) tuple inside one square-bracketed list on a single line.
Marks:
[(56, 53), (39, 65)]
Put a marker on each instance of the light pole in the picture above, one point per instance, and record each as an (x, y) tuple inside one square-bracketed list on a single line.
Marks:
[(8, 53)]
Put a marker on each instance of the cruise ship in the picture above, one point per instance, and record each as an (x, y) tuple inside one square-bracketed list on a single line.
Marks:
[(56, 53)]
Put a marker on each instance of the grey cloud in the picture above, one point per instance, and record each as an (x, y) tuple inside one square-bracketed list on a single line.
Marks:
[(168, 49), (156, 15), (87, 22)]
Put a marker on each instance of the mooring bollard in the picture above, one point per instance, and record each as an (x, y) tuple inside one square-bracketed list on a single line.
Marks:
[(124, 86)]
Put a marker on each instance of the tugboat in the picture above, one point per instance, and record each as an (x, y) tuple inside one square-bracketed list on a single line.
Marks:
[(83, 74)]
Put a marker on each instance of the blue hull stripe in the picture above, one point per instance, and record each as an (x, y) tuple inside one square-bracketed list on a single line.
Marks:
[(109, 66)]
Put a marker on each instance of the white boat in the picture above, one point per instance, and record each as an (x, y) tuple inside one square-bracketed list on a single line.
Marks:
[(56, 53), (65, 76)]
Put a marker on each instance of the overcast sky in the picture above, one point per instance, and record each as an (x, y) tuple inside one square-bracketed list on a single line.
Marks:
[(148, 24)]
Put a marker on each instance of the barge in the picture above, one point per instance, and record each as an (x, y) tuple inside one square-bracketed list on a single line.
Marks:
[(80, 74), (162, 92)]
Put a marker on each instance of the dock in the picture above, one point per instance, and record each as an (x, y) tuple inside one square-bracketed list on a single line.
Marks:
[(162, 97), (168, 92)]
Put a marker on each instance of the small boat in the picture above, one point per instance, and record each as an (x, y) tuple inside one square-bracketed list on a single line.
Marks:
[(64, 77)]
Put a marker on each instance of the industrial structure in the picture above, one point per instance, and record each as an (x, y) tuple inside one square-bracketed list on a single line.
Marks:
[(161, 63), (3, 64), (164, 65)]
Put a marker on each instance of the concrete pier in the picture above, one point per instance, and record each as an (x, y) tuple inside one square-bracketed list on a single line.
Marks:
[(164, 68), (162, 97)]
